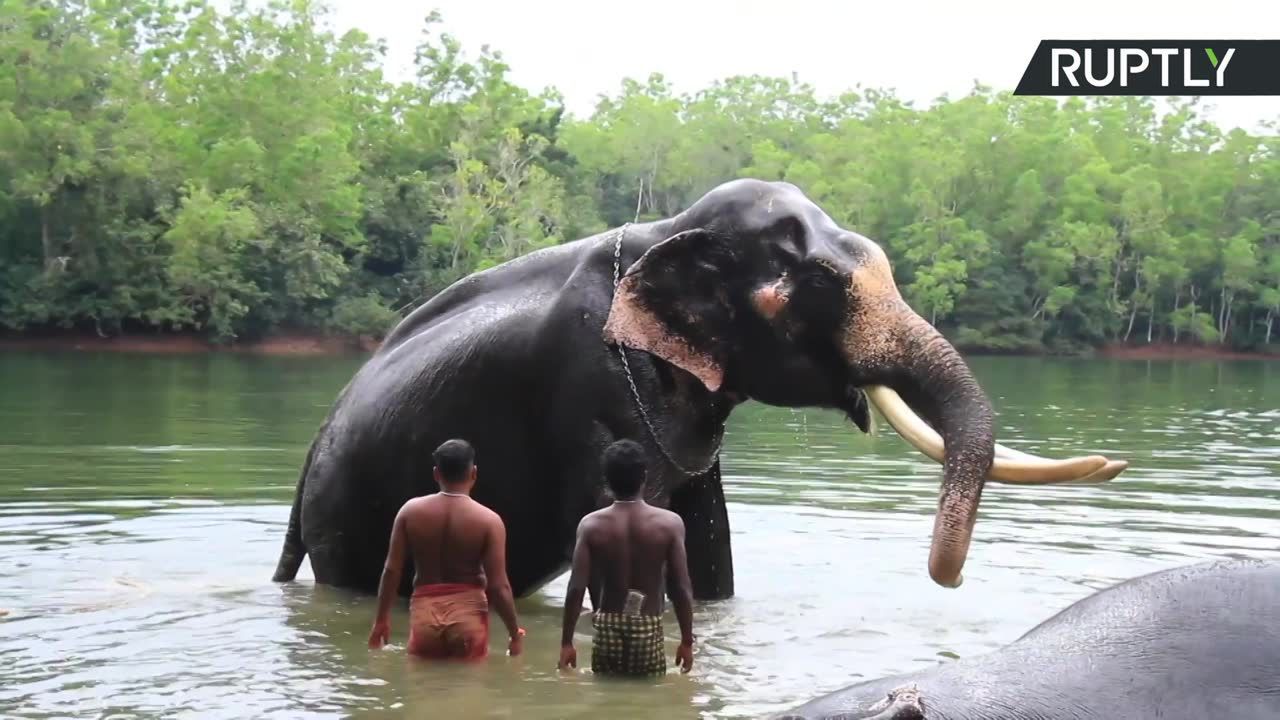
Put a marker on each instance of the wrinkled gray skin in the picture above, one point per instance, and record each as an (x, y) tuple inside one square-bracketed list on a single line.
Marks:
[(1200, 642)]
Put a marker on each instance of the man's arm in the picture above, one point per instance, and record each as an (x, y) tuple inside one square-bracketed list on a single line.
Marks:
[(390, 584), (679, 588), (579, 577), (495, 570)]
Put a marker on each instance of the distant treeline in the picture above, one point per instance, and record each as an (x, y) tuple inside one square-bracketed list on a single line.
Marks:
[(166, 166)]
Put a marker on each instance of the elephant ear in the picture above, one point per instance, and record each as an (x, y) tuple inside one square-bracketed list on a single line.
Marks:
[(674, 303)]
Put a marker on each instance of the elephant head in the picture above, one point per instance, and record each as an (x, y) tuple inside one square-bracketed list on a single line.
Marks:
[(757, 292)]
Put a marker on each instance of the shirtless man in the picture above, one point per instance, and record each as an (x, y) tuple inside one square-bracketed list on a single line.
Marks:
[(459, 550), (630, 545)]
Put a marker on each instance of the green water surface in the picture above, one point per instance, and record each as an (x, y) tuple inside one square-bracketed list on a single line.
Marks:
[(143, 500)]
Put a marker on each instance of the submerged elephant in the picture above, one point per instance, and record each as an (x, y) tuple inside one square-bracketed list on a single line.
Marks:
[(751, 293), (1191, 643)]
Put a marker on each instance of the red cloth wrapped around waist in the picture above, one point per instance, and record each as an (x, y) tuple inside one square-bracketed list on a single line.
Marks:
[(442, 589), (449, 620)]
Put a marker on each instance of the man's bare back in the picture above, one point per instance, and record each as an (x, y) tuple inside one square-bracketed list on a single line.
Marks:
[(452, 539), (631, 546)]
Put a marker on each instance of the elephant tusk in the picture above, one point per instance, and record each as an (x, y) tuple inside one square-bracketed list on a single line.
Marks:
[(1107, 472), (1009, 465)]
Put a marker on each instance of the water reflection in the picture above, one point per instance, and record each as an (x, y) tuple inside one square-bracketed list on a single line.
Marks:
[(142, 502)]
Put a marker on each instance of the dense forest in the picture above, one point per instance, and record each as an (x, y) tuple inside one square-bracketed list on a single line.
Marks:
[(166, 166)]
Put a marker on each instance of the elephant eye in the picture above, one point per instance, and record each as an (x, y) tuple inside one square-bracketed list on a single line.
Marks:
[(817, 275), (784, 255)]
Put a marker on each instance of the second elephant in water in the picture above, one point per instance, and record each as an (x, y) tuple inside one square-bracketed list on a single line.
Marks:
[(1193, 643)]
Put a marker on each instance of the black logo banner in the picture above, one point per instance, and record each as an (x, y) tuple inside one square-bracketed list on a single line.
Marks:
[(1153, 67)]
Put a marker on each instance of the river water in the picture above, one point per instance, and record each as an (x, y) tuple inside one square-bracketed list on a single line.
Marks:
[(143, 501)]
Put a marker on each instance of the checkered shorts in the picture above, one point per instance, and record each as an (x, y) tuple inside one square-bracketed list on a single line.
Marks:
[(628, 645)]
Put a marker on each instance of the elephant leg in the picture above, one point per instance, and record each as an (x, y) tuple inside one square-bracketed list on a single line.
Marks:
[(700, 504)]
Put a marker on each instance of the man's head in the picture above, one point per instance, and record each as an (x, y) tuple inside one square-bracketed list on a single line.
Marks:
[(624, 469), (455, 465)]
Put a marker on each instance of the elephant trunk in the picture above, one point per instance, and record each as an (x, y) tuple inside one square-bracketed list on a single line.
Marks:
[(885, 341), (946, 393)]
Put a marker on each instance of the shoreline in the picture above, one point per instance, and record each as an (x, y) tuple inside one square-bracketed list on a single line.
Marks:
[(318, 344), (1169, 351)]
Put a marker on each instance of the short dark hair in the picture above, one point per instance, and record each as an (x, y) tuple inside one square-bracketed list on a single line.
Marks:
[(624, 468), (454, 459)]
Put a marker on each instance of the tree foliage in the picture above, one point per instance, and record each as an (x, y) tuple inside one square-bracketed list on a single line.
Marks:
[(168, 166)]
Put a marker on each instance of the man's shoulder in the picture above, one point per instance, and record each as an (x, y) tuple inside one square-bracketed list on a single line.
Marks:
[(593, 518), (489, 514), (415, 503), (665, 516), (671, 524), (596, 522)]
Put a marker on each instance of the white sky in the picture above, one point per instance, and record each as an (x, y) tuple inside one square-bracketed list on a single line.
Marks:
[(921, 48)]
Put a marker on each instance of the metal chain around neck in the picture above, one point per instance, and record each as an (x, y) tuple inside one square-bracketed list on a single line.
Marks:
[(635, 392)]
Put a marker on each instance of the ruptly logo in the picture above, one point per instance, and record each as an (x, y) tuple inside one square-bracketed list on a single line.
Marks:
[(1153, 67)]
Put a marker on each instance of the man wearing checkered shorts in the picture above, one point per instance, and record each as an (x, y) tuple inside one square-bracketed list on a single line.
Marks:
[(635, 549)]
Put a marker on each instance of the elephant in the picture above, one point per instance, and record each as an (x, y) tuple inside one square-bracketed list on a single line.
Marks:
[(655, 332), (1189, 643)]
